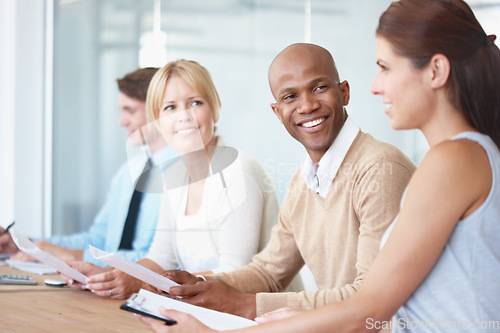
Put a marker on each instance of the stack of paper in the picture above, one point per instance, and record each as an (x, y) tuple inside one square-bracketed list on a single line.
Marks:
[(32, 267)]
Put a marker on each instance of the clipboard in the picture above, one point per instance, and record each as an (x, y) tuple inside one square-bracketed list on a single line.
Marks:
[(147, 303), (135, 304)]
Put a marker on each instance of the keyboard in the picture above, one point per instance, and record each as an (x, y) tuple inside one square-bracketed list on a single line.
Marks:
[(17, 279)]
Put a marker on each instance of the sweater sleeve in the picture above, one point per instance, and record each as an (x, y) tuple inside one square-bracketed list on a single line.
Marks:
[(376, 197)]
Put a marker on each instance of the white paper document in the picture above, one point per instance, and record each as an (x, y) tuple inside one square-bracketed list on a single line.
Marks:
[(214, 319), (133, 269), (24, 244), (32, 267)]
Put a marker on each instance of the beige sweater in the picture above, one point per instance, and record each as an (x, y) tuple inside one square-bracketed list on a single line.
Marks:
[(337, 237)]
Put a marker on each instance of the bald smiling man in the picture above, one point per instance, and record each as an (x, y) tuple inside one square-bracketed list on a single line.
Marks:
[(337, 207)]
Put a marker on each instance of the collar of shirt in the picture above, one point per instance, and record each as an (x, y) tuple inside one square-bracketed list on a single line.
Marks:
[(137, 156), (320, 179)]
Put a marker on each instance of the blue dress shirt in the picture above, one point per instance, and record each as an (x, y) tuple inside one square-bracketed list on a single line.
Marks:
[(107, 229)]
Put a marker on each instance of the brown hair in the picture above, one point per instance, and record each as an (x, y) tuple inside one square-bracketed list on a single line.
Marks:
[(419, 29), (135, 84)]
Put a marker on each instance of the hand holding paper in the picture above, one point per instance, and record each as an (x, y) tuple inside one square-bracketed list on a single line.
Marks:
[(24, 244), (148, 302), (133, 269)]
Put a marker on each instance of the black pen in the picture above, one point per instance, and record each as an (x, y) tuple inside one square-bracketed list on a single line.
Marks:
[(7, 229)]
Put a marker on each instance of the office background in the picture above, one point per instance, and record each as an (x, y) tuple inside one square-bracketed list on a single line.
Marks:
[(59, 139)]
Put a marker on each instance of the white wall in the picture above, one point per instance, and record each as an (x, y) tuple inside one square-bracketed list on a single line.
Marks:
[(7, 56), (21, 114), (239, 72)]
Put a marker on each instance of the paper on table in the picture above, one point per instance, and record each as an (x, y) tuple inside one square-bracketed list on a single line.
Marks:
[(32, 267), (132, 268), (213, 319), (24, 244)]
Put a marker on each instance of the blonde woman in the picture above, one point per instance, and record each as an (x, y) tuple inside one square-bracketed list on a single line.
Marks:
[(219, 203), (219, 213)]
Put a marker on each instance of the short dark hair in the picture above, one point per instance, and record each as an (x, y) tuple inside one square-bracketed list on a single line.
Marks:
[(135, 84), (419, 29)]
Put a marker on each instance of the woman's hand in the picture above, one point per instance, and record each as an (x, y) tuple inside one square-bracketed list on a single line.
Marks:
[(114, 284), (279, 314), (87, 269), (185, 323)]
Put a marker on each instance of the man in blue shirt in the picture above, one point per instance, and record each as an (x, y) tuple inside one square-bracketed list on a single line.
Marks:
[(110, 223)]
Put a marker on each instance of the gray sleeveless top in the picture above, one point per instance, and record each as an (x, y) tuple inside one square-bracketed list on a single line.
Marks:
[(462, 292)]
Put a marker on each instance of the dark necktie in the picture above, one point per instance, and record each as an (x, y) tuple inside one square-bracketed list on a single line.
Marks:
[(133, 209)]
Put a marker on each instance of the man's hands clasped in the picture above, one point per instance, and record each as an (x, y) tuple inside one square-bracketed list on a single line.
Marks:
[(212, 294)]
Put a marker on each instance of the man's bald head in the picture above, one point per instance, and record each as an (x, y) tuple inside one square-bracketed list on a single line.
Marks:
[(310, 99), (301, 55)]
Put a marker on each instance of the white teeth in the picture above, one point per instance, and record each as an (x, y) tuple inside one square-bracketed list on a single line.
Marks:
[(186, 131), (313, 123)]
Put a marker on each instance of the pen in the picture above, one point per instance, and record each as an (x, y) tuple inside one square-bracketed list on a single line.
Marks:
[(7, 229)]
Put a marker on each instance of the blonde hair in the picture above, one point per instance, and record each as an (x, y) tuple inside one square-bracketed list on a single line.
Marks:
[(195, 75)]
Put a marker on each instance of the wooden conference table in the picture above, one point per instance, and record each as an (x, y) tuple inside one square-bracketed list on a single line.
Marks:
[(39, 308)]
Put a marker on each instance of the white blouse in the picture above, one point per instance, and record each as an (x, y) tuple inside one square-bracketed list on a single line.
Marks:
[(232, 223)]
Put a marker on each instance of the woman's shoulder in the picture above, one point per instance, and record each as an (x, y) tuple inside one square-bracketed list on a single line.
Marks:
[(461, 153), (457, 167), (248, 159)]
